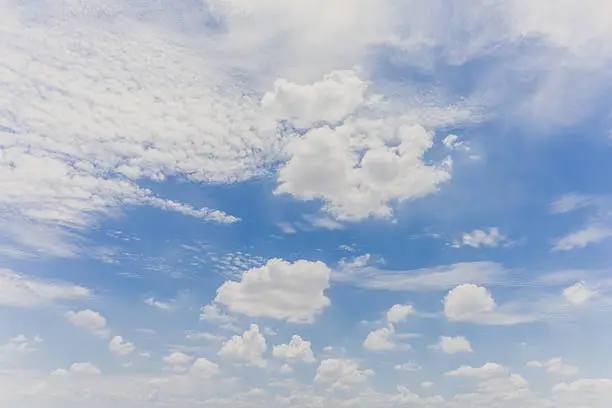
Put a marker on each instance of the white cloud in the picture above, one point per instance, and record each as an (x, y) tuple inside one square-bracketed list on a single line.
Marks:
[(475, 304), (158, 304), (555, 365), (212, 313), (491, 238), (427, 384), (425, 279), (248, 348), (286, 369), (296, 350), (578, 294), (488, 370), (593, 234), (18, 346), (385, 338), (86, 368), (21, 291), (399, 313), (90, 320), (120, 347), (281, 290), (330, 100), (409, 366), (454, 345), (178, 361), (204, 368), (194, 335), (324, 164), (341, 373), (570, 202)]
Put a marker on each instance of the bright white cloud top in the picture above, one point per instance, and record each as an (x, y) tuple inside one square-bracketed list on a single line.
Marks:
[(345, 203)]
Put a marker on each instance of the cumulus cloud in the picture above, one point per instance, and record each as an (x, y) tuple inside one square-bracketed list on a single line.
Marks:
[(21, 291), (296, 350), (341, 373), (325, 164), (454, 345), (120, 346), (178, 361), (213, 314), (399, 313), (294, 292), (475, 304), (248, 348), (578, 294), (90, 320), (490, 237)]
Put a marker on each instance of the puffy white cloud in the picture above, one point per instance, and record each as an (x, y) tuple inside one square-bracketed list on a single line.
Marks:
[(296, 350), (294, 292), (341, 373), (593, 234), (212, 313), (454, 345), (585, 392), (488, 370), (330, 100), (386, 338), (120, 346), (204, 368), (21, 291), (90, 320), (248, 348), (326, 164), (437, 278), (399, 313), (473, 303), (466, 301), (482, 238), (178, 361), (555, 365), (578, 294)]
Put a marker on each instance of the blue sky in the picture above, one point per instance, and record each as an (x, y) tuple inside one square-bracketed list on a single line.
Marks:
[(308, 204)]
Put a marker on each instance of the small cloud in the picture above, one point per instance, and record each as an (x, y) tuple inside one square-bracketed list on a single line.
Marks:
[(120, 347), (454, 345), (410, 366), (593, 234), (490, 237), (90, 320), (555, 365), (158, 304), (578, 294)]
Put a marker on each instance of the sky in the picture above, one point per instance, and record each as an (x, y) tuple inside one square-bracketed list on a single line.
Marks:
[(306, 203)]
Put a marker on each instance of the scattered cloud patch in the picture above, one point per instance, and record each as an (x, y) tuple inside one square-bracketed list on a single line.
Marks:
[(21, 291), (593, 234), (282, 290)]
